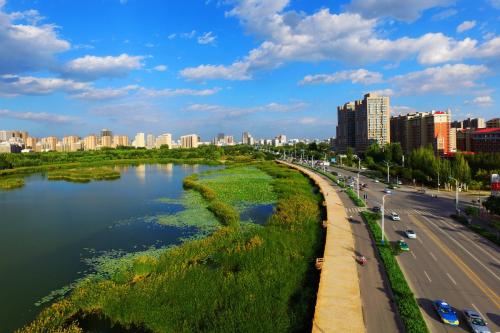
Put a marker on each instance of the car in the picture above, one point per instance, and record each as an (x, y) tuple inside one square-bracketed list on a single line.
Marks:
[(400, 182), (410, 234), (365, 185), (445, 312), (376, 209), (387, 191), (476, 323), (395, 216), (403, 246), (376, 181)]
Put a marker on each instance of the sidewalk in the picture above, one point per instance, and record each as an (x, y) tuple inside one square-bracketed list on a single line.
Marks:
[(338, 304)]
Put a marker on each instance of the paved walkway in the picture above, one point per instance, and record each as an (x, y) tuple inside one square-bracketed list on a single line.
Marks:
[(338, 304)]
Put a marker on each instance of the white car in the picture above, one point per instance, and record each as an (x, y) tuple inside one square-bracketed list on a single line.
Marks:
[(395, 216), (410, 234), (387, 191), (376, 181)]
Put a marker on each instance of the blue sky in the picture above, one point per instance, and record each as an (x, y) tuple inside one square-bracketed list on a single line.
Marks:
[(264, 66)]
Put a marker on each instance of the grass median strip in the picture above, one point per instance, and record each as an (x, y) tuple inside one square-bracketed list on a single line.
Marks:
[(405, 300)]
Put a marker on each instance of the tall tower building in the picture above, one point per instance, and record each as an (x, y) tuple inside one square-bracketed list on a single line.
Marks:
[(164, 140), (346, 128), (189, 141), (139, 141), (372, 121)]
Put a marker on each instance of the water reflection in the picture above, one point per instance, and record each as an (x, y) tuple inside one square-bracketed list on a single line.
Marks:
[(140, 172)]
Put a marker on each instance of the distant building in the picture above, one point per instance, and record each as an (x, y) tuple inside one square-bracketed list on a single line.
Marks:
[(49, 143), (247, 139), (363, 122), (493, 123), (8, 135), (190, 141), (90, 142), (139, 141), (9, 147), (150, 141), (164, 140), (469, 123), (106, 132), (106, 141), (420, 129), (30, 142), (482, 140), (120, 141)]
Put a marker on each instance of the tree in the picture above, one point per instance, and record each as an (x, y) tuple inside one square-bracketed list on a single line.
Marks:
[(461, 170), (350, 156), (397, 152)]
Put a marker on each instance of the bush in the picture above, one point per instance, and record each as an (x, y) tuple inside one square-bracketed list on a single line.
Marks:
[(407, 305)]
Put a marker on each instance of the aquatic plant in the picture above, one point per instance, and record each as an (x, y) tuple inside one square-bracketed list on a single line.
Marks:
[(11, 183), (83, 175)]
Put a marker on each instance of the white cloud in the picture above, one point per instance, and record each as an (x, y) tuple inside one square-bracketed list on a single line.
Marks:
[(39, 117), (177, 92), (96, 94), (466, 25), (445, 14), (27, 45), (172, 36), (160, 68), (93, 67), (188, 35), (483, 101), (346, 37), (308, 120), (401, 109), (355, 76), (383, 92), (207, 38), (447, 79), (408, 10), (226, 111), (13, 85), (495, 4)]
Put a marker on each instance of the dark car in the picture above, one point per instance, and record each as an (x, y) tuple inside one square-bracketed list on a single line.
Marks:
[(376, 209)]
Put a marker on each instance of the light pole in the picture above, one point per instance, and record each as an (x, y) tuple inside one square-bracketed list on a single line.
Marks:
[(358, 184), (438, 181), (456, 195), (388, 164), (383, 217)]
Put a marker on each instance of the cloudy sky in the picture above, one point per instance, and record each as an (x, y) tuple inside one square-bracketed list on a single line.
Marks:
[(266, 66)]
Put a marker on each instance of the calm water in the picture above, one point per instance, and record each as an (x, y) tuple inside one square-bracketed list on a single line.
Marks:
[(48, 227)]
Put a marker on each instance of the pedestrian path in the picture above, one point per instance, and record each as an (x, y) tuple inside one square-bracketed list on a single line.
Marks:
[(388, 210), (338, 303)]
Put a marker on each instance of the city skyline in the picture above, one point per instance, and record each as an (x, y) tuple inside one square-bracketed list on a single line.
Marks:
[(239, 66)]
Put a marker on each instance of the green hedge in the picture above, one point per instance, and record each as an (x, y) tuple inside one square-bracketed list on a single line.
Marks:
[(405, 300)]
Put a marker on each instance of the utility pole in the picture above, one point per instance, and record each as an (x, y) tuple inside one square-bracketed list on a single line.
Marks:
[(358, 183), (403, 161)]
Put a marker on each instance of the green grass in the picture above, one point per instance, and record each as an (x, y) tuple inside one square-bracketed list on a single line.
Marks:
[(11, 183), (244, 278), (405, 300), (84, 175)]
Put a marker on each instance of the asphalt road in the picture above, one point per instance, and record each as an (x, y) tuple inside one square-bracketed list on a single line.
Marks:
[(446, 261)]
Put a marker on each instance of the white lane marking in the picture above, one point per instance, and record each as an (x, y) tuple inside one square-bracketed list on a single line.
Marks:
[(428, 278), (433, 256), (420, 241), (475, 308), (454, 282), (471, 240), (465, 250), (413, 254)]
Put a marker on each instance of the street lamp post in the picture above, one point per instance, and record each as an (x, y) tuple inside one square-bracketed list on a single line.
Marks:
[(383, 217), (358, 184), (387, 163), (456, 195)]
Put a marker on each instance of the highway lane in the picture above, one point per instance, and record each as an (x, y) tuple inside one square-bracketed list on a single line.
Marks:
[(447, 260)]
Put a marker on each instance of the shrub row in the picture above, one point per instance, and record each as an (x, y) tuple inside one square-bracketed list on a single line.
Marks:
[(405, 300), (493, 237)]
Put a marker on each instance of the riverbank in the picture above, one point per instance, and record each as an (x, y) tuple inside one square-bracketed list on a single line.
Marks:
[(11, 183), (243, 277)]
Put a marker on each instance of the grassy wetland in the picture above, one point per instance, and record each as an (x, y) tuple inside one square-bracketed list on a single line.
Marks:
[(11, 183), (241, 277), (84, 175)]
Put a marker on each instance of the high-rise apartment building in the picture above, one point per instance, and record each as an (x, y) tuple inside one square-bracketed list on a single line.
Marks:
[(9, 135), (150, 141), (120, 141), (139, 141), (469, 123), (90, 142), (247, 139), (493, 123), (364, 122), (481, 140), (30, 142), (346, 127), (189, 141), (164, 139), (49, 143), (68, 140), (106, 141), (420, 129), (106, 132)]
